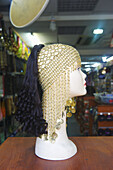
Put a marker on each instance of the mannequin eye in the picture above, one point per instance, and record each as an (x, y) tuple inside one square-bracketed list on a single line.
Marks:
[(78, 68)]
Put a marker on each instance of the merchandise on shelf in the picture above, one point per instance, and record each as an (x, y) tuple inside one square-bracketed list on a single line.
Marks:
[(13, 57), (85, 114), (12, 44), (105, 120)]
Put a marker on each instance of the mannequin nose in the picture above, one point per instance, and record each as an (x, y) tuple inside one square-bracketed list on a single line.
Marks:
[(83, 74)]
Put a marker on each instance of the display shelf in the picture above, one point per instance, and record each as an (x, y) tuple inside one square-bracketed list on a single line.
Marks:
[(105, 120), (105, 108), (12, 70), (84, 115), (107, 124)]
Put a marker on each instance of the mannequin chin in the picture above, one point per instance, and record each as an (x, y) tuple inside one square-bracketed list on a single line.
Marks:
[(77, 83)]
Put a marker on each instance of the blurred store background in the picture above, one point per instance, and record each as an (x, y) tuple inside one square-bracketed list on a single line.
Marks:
[(86, 25)]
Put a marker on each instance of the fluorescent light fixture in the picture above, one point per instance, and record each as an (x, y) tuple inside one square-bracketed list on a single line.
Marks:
[(110, 58), (104, 59), (103, 71), (0, 29), (97, 31), (87, 65), (52, 24), (87, 62), (87, 69), (96, 65), (84, 62), (31, 39)]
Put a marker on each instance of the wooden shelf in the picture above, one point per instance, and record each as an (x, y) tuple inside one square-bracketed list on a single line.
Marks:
[(105, 108), (105, 124)]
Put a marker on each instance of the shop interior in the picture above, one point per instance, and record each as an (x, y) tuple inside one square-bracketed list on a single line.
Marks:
[(85, 25)]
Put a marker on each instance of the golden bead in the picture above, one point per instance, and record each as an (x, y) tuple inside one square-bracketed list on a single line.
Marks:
[(61, 121), (51, 57), (47, 61), (54, 135), (73, 110), (43, 66), (46, 52), (73, 103), (69, 114), (68, 102), (63, 46), (58, 126), (44, 137), (56, 53)]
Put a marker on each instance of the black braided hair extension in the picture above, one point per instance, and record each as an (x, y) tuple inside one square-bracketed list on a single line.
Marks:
[(29, 107)]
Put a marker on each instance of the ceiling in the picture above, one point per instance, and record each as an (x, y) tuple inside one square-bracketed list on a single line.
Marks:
[(75, 21)]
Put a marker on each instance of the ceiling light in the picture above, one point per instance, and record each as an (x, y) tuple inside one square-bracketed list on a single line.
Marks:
[(52, 24), (103, 71), (97, 31), (87, 65), (30, 39), (87, 69), (0, 29), (104, 59), (96, 65), (84, 62), (110, 58)]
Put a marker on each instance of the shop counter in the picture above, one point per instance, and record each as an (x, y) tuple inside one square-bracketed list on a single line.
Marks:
[(94, 153)]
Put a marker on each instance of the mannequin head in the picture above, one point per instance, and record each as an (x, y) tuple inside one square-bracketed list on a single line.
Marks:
[(52, 70)]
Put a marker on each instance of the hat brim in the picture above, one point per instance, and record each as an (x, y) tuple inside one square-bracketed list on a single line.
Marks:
[(23, 13)]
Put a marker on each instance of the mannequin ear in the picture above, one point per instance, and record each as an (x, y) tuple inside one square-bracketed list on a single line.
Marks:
[(29, 109)]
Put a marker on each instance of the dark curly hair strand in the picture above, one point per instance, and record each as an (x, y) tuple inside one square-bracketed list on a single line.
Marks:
[(29, 105)]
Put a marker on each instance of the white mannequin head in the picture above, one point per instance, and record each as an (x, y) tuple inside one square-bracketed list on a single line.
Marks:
[(77, 83)]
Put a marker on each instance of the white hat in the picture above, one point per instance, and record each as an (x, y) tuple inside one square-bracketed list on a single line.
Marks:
[(25, 12)]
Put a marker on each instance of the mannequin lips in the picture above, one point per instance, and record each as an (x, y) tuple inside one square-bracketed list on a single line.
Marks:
[(85, 84)]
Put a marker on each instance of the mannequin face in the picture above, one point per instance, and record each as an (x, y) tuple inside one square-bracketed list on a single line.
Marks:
[(77, 83)]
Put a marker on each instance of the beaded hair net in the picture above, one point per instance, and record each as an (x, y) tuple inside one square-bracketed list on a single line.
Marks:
[(55, 63)]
